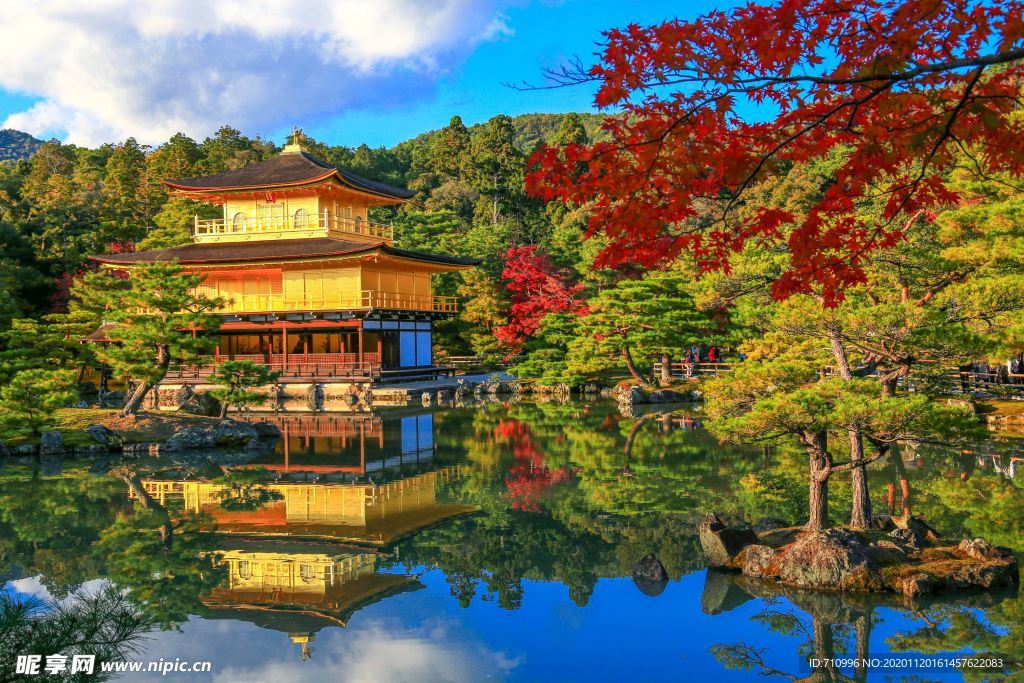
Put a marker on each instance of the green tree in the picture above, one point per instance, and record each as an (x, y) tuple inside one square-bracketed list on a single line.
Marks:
[(127, 206), (648, 317), (52, 341), (174, 223), (785, 399), (236, 380), (449, 150), (156, 318), (496, 166), (485, 308), (544, 355), (29, 404)]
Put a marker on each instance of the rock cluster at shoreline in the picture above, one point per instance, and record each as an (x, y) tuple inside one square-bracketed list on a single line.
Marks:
[(218, 434), (898, 555)]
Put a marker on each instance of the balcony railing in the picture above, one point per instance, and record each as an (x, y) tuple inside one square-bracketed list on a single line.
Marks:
[(339, 301), (292, 366), (211, 228)]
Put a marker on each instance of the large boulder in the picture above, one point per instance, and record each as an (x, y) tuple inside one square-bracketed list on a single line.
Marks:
[(667, 396), (980, 549), (104, 436), (760, 561), (631, 395), (831, 559), (200, 403), (918, 526), (51, 442), (189, 438), (911, 538), (720, 543), (235, 434)]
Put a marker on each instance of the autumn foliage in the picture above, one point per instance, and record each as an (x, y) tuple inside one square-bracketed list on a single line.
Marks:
[(537, 288), (709, 107)]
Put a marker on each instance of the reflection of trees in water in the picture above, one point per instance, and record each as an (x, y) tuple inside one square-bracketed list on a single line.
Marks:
[(75, 528), (104, 624), (635, 489), (829, 625)]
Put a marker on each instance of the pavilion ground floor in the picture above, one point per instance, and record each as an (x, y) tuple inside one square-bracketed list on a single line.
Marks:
[(302, 351)]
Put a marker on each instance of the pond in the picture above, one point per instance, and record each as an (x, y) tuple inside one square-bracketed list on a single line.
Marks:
[(494, 542)]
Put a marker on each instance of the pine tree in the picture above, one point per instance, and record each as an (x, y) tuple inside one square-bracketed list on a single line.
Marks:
[(653, 316), (496, 166), (157, 317), (449, 150), (485, 309), (126, 207), (29, 403), (236, 380)]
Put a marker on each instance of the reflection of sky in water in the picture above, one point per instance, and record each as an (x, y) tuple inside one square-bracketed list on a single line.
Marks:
[(424, 636)]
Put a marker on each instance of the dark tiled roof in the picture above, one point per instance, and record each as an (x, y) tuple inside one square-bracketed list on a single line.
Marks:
[(294, 168), (272, 250)]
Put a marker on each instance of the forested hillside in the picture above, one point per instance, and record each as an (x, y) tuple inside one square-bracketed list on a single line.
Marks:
[(16, 145), (68, 202)]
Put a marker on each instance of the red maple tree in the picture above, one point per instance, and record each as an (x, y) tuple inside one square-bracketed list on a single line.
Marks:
[(537, 288), (902, 86)]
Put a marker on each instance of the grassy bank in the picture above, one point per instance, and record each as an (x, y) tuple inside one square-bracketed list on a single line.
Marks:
[(146, 427)]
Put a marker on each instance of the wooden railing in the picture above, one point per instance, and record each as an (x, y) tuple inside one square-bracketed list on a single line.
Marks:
[(968, 382), (957, 382), (297, 366), (365, 299), (682, 370), (301, 222)]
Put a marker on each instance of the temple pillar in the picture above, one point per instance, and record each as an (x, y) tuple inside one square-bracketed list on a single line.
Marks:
[(360, 346), (284, 346)]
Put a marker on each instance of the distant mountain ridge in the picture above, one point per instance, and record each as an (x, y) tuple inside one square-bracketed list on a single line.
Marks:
[(530, 129), (15, 145)]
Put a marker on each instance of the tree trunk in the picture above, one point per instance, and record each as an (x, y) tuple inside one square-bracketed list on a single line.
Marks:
[(628, 357), (223, 410), (134, 402), (860, 514), (820, 464), (666, 369), (817, 502)]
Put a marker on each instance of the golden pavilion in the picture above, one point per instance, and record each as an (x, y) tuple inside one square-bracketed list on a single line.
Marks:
[(312, 287)]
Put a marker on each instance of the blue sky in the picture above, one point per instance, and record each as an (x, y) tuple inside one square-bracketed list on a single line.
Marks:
[(347, 71)]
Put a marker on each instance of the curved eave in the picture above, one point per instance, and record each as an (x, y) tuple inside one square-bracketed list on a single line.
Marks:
[(378, 247), (331, 173), (103, 258)]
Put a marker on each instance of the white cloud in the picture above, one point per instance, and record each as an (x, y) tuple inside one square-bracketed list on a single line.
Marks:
[(109, 69)]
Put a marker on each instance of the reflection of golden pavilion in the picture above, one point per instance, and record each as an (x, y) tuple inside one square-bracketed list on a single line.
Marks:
[(376, 514), (300, 588)]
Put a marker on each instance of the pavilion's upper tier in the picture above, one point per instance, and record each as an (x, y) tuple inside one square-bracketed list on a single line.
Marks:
[(292, 195)]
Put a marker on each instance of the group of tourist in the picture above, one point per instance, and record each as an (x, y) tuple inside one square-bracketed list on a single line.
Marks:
[(696, 354)]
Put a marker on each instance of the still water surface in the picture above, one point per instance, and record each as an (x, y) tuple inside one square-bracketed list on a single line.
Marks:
[(492, 543)]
